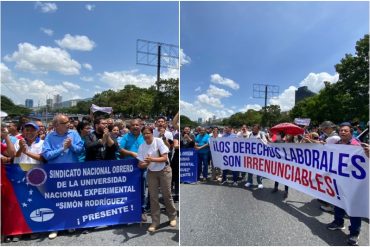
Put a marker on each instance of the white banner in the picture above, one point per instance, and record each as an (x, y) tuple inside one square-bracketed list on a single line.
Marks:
[(334, 173), (302, 121), (95, 108)]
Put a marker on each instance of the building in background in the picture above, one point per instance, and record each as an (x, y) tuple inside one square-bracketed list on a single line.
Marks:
[(57, 101), (49, 103), (29, 103), (302, 93)]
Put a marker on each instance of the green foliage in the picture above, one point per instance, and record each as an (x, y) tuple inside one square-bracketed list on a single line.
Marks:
[(346, 100), (9, 107), (185, 121), (133, 101)]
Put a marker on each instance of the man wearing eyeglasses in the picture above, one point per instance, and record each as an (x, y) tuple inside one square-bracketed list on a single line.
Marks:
[(62, 146)]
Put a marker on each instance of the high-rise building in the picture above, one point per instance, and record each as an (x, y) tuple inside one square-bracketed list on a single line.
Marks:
[(200, 120), (302, 93), (49, 103), (57, 101), (29, 103)]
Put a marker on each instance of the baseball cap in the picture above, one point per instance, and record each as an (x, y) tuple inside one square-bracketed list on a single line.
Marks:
[(32, 124), (327, 124)]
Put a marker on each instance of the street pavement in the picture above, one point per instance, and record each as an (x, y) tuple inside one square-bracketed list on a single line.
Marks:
[(118, 235), (214, 214)]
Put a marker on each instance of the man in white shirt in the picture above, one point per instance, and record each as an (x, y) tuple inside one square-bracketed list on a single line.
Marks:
[(167, 136), (28, 150), (256, 134), (244, 132)]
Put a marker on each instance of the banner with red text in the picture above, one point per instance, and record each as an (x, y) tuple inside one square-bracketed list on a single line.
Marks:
[(335, 173)]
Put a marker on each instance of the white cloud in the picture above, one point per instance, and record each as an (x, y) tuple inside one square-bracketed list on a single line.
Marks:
[(46, 7), (315, 82), (20, 89), (286, 100), (118, 79), (197, 110), (170, 73), (86, 78), (70, 85), (47, 31), (256, 107), (204, 98), (43, 59), (218, 79), (77, 42), (193, 112), (6, 74), (90, 7), (184, 59), (198, 89), (87, 66), (218, 92)]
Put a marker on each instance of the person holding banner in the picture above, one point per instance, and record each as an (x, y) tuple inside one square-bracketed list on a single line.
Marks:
[(62, 146), (256, 134), (229, 134), (346, 138), (202, 146), (153, 154), (280, 139), (129, 146)]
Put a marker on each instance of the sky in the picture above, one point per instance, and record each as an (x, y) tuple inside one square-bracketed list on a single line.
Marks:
[(229, 46), (78, 49)]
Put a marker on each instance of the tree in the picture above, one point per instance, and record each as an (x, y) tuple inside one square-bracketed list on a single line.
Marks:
[(9, 107), (346, 100), (185, 121)]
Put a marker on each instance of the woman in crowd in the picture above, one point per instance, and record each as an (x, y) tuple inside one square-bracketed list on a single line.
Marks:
[(153, 154)]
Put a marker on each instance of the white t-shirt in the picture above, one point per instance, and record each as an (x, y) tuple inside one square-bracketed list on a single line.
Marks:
[(152, 150), (332, 139), (35, 148), (259, 135), (167, 134), (243, 135)]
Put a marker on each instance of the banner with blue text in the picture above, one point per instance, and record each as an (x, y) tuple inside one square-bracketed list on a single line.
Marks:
[(188, 165), (53, 197), (335, 173)]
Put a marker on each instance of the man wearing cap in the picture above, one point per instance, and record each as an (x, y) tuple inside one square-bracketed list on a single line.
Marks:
[(62, 146), (346, 138), (28, 150), (330, 136)]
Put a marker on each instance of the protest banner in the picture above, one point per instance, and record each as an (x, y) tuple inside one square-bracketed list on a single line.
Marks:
[(52, 197), (334, 173), (302, 121), (188, 165)]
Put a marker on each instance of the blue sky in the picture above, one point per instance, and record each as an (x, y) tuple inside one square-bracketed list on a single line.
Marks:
[(77, 49), (230, 46)]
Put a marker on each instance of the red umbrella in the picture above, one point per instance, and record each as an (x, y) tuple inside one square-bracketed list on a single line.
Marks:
[(287, 128)]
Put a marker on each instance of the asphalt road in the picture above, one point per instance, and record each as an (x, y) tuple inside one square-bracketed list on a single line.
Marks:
[(214, 214), (118, 235)]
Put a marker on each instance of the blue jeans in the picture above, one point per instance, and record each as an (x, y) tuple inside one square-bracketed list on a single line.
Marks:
[(354, 228), (203, 163), (250, 178), (235, 175)]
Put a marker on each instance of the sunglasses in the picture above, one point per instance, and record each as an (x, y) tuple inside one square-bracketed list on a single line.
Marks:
[(64, 122)]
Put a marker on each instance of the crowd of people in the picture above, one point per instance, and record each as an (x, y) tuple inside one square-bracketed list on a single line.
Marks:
[(67, 140), (326, 133)]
